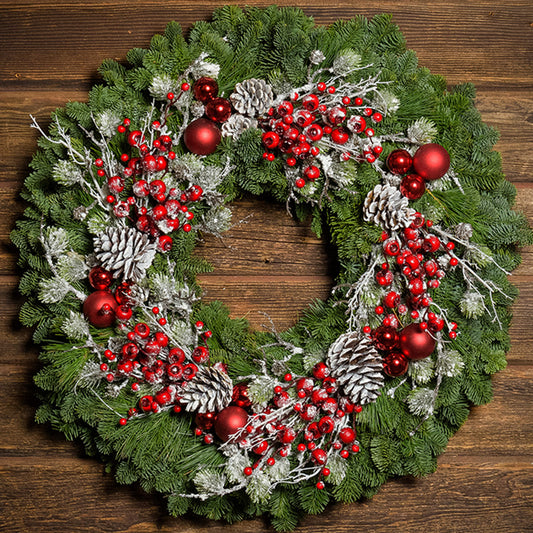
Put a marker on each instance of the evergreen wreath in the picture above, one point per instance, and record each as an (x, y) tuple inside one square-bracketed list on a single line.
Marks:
[(339, 123)]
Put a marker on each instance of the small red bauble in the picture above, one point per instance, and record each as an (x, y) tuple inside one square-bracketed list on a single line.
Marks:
[(202, 136), (205, 89), (229, 421), (100, 279), (399, 161), (218, 109), (412, 186), (99, 308), (347, 435), (416, 343), (431, 161), (385, 338), (205, 421), (395, 364), (240, 396)]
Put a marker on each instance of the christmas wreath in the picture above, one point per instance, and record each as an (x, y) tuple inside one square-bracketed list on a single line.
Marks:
[(341, 125)]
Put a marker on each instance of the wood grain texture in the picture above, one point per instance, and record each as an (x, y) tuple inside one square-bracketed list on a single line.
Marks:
[(50, 53)]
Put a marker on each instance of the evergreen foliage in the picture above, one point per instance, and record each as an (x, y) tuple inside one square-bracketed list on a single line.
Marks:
[(161, 452)]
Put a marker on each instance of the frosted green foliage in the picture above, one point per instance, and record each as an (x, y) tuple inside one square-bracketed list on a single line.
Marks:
[(161, 86), (67, 173), (449, 363), (259, 487), (53, 290), (422, 131), (55, 242), (472, 304), (107, 122), (337, 467), (310, 360), (75, 326), (217, 221), (235, 466), (261, 390), (388, 100), (422, 371), (72, 266), (182, 333), (347, 60), (280, 469), (206, 68), (209, 482), (97, 222), (421, 401)]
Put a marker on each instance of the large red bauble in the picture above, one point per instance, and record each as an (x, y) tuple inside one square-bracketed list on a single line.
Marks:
[(413, 186), (229, 421), (218, 109), (99, 308), (399, 161), (205, 89), (395, 364), (431, 161), (99, 278), (202, 136), (416, 343)]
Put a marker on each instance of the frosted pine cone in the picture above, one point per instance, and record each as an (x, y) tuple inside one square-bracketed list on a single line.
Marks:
[(252, 97), (125, 252), (236, 125), (357, 366), (386, 207), (210, 390)]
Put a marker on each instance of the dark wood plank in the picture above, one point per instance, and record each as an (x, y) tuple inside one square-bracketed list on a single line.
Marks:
[(51, 51)]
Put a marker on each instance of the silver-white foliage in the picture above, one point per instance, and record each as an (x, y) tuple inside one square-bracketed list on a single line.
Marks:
[(67, 173), (472, 304), (107, 122), (161, 86), (449, 363), (337, 469), (261, 389), (421, 401), (75, 326), (259, 487), (422, 131), (280, 470), (346, 60), (72, 267), (235, 465), (388, 100), (210, 482), (205, 68), (55, 241), (217, 220), (53, 290), (422, 371)]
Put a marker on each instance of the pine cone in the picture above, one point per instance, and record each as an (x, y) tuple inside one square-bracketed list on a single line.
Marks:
[(125, 252), (386, 207), (236, 125), (252, 97), (358, 368), (210, 390)]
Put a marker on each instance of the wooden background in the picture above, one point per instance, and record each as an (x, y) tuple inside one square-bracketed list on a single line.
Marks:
[(50, 51)]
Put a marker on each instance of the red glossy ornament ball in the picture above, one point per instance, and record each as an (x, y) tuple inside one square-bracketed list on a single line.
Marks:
[(229, 421), (413, 186), (431, 161), (385, 338), (100, 279), (240, 396), (202, 136), (399, 161), (218, 109), (205, 89), (205, 421), (395, 364), (99, 308), (416, 343)]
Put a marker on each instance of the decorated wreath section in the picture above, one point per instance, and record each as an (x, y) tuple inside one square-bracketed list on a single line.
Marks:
[(393, 169)]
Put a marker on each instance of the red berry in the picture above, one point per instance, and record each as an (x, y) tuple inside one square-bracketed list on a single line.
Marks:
[(248, 471), (320, 371), (170, 96), (123, 421), (300, 182), (321, 86), (185, 86), (320, 485)]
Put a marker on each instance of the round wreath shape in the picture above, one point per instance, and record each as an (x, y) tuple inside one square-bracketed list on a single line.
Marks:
[(341, 125)]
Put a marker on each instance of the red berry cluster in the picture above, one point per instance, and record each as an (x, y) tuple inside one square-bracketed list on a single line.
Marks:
[(294, 128), (148, 359), (325, 415), (413, 267), (170, 210)]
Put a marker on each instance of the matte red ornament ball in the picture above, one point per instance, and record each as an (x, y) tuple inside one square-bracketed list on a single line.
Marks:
[(431, 161), (413, 186), (218, 109), (99, 308), (205, 89), (395, 364), (399, 162), (99, 278), (416, 343), (229, 421), (202, 136)]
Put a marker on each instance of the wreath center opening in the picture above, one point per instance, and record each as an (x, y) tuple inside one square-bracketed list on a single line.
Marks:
[(267, 262)]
